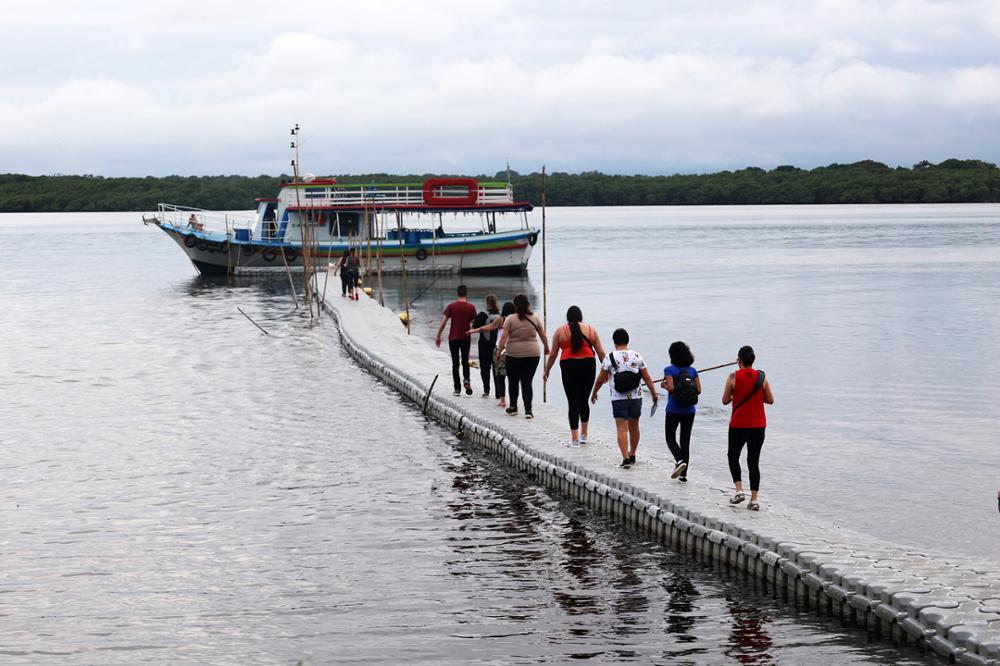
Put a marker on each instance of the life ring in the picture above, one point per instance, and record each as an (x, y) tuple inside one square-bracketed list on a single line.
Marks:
[(190, 241), (269, 255), (532, 238), (421, 254), (291, 255), (433, 199)]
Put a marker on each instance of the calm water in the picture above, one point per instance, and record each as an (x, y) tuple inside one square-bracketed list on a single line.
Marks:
[(178, 486)]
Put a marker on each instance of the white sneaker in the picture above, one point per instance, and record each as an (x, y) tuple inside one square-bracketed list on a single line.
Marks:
[(573, 444), (583, 439)]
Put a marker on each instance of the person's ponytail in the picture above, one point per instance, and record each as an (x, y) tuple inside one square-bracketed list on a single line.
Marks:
[(573, 317)]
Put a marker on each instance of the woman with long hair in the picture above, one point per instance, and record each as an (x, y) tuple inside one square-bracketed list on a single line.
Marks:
[(522, 331), (683, 386), (748, 390), (483, 325), (578, 343)]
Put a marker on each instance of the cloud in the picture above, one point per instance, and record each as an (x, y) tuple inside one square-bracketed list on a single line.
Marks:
[(137, 88)]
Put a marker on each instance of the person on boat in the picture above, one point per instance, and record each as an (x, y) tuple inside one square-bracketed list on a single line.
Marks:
[(683, 387), (578, 343), (522, 331), (748, 390), (625, 371), (461, 313), (483, 325)]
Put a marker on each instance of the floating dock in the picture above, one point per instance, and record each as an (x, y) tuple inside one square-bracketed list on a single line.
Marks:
[(949, 604)]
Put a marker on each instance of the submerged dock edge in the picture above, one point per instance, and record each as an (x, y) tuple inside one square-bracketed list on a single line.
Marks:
[(950, 605)]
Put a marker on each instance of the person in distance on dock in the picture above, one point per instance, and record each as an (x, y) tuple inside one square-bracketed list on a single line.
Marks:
[(461, 312), (683, 387), (521, 333), (345, 272), (627, 371), (748, 390), (578, 343), (483, 325)]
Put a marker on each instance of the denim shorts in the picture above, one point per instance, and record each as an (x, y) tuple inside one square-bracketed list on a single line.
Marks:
[(627, 409)]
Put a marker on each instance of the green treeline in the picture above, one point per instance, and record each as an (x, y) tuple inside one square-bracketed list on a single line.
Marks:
[(951, 181)]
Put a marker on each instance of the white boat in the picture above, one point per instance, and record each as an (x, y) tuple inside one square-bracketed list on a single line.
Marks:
[(390, 225)]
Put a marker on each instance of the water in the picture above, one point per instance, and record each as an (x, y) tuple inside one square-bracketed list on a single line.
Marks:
[(177, 485)]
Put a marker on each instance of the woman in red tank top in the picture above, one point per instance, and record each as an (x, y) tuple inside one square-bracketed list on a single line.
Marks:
[(748, 391), (578, 343)]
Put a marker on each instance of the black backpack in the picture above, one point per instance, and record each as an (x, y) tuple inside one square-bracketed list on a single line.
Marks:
[(625, 380), (685, 392)]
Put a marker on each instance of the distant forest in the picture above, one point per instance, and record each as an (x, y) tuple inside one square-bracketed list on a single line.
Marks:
[(951, 181)]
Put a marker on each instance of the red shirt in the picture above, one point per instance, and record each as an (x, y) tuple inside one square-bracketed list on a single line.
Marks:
[(751, 413), (461, 314)]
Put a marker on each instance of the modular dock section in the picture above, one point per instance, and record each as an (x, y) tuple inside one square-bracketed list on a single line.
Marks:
[(950, 604)]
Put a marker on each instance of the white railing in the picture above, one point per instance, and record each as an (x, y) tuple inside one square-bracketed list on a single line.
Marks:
[(200, 219), (391, 195)]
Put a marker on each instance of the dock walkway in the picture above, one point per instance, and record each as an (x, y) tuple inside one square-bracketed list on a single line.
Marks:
[(949, 603)]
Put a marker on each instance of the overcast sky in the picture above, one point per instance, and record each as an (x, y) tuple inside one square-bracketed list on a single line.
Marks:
[(157, 88)]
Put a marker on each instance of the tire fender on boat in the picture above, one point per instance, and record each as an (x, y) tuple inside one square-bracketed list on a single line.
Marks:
[(190, 241), (269, 255), (532, 238), (291, 255), (202, 245), (421, 254)]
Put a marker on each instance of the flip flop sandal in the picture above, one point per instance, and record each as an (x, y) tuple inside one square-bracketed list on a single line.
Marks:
[(753, 506), (737, 498)]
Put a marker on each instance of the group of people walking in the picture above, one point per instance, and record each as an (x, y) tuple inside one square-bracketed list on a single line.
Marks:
[(512, 342)]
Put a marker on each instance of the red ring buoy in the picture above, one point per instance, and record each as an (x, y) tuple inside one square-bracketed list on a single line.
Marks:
[(432, 199)]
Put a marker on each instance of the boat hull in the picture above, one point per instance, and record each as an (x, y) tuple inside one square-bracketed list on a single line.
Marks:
[(502, 253)]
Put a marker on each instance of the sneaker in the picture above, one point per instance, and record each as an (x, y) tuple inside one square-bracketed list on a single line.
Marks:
[(583, 439), (512, 411), (631, 460), (683, 479), (456, 392), (468, 388), (573, 444), (529, 415), (486, 394), (626, 463), (679, 468)]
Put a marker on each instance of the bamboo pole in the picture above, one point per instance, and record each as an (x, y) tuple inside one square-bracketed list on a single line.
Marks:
[(402, 263), (381, 234), (545, 289)]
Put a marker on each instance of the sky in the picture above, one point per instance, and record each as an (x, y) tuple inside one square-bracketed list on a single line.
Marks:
[(660, 87)]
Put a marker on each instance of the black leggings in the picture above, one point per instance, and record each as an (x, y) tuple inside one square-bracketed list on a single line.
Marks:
[(680, 451), (577, 380), (486, 364), (754, 440), (345, 281), (456, 347), (520, 372)]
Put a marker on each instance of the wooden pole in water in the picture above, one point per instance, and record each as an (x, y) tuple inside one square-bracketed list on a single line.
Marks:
[(402, 264), (381, 234), (545, 285)]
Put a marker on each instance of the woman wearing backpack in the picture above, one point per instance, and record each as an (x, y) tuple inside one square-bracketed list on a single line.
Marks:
[(578, 343), (522, 331), (683, 387), (483, 324), (748, 390)]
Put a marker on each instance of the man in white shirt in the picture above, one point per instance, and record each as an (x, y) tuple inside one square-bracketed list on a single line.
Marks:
[(627, 371)]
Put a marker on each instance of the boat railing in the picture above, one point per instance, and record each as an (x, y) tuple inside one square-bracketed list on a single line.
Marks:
[(377, 195), (203, 220)]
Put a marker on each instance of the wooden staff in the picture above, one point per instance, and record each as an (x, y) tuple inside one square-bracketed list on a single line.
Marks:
[(402, 263), (545, 289), (381, 233)]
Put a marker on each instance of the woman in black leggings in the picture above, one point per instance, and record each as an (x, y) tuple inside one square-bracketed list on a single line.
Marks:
[(748, 391), (521, 333), (578, 343)]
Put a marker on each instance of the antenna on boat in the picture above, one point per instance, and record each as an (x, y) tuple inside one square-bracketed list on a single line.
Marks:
[(508, 173)]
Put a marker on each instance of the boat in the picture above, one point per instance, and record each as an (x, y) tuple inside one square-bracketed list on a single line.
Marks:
[(394, 227)]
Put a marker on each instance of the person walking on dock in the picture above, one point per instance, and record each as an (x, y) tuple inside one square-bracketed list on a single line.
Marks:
[(521, 333), (683, 387), (483, 325), (748, 390), (627, 371), (346, 280), (461, 312), (578, 343)]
